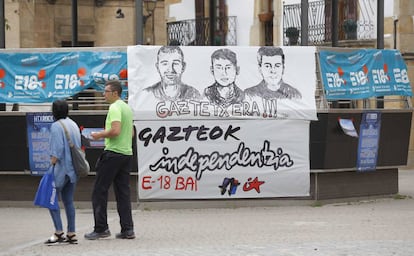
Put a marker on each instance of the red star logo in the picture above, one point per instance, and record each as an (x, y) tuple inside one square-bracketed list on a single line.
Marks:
[(255, 184)]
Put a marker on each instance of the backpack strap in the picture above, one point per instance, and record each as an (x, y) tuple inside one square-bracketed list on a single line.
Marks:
[(66, 133)]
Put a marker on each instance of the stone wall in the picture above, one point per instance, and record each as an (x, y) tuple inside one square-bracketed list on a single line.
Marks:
[(38, 24), (404, 10)]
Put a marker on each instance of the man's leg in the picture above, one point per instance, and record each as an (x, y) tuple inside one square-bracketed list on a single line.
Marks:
[(123, 195), (105, 173)]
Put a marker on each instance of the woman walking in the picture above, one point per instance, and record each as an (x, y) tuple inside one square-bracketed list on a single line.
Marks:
[(65, 176)]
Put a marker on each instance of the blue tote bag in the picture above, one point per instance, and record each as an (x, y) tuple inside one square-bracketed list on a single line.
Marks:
[(46, 195)]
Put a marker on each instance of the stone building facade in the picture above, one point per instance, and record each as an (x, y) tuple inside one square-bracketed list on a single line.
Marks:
[(48, 24), (404, 11), (40, 24)]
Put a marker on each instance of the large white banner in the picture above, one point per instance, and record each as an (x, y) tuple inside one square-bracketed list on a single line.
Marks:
[(190, 82), (222, 158)]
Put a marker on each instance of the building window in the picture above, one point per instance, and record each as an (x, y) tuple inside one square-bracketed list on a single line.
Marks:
[(80, 44)]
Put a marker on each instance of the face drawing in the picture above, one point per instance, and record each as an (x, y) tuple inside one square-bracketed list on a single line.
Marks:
[(224, 71), (170, 66), (272, 69)]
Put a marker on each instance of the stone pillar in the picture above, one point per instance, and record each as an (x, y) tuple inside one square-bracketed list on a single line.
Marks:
[(404, 10), (278, 23), (256, 31)]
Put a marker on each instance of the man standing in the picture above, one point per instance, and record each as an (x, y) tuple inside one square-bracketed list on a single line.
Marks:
[(224, 92), (170, 65), (271, 61), (113, 166)]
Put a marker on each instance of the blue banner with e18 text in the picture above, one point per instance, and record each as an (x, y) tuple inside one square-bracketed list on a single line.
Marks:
[(45, 77), (364, 74)]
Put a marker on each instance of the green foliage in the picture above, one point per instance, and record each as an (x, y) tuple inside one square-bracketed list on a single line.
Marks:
[(292, 32), (317, 204), (6, 24), (350, 25), (398, 197)]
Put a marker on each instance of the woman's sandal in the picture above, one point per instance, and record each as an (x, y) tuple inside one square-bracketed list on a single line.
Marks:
[(71, 239), (56, 238)]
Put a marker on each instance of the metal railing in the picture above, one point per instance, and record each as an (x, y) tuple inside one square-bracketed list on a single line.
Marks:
[(197, 32), (320, 32), (89, 99)]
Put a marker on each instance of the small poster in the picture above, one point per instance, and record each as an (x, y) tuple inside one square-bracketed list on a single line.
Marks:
[(38, 133), (348, 127), (88, 141), (368, 141)]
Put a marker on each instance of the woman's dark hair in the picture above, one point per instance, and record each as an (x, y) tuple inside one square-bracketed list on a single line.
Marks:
[(60, 109)]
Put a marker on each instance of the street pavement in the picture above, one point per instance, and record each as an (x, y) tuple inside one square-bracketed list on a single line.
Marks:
[(369, 226)]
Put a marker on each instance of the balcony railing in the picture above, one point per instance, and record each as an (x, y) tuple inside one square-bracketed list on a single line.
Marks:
[(197, 32), (320, 32)]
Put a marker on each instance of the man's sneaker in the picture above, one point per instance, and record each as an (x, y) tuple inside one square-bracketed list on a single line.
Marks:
[(126, 235), (96, 235)]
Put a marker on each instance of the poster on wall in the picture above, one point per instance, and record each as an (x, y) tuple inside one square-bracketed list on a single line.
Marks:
[(88, 141), (368, 141), (363, 74), (38, 133), (226, 82), (222, 159)]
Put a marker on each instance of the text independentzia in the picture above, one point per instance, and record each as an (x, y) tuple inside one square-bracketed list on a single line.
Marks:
[(243, 156), (199, 163)]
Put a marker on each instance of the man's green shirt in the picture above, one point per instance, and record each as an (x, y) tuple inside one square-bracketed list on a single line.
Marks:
[(120, 111)]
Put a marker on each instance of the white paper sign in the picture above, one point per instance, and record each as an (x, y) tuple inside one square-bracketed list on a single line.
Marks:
[(225, 82), (222, 159)]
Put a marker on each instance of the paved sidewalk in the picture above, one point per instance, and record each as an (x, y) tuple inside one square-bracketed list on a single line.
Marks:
[(368, 227)]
